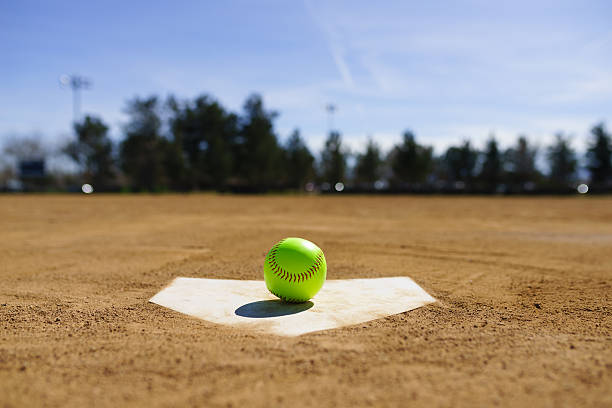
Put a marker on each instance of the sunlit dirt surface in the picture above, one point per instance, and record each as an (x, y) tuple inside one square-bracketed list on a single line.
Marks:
[(523, 318)]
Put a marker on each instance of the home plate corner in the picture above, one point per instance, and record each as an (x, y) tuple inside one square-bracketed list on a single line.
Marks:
[(249, 305)]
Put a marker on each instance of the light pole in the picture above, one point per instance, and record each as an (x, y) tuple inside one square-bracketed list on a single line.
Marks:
[(76, 83), (331, 109)]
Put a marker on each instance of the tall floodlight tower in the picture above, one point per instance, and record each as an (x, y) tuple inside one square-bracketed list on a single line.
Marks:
[(331, 109), (76, 83)]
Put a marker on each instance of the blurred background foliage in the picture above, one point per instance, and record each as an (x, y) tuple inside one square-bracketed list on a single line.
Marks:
[(198, 145)]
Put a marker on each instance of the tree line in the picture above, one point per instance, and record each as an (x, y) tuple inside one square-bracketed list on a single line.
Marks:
[(187, 145)]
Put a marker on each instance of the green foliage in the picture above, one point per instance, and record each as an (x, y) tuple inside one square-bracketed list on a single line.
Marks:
[(520, 165), (173, 164), (599, 156), (144, 152), (368, 168), (562, 161), (299, 162), (257, 152), (460, 162), (92, 151), (196, 144), (491, 171), (410, 161), (205, 135), (333, 159)]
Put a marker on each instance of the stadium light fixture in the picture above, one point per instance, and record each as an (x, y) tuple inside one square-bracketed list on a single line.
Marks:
[(76, 83), (331, 109)]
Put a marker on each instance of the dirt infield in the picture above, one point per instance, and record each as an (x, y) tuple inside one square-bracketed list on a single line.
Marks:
[(524, 312)]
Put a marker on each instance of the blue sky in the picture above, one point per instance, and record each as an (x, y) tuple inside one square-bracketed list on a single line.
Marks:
[(446, 70)]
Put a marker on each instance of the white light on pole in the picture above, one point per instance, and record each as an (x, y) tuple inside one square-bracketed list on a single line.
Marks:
[(76, 83)]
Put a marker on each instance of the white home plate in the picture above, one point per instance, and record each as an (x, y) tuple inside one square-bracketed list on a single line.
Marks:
[(249, 305)]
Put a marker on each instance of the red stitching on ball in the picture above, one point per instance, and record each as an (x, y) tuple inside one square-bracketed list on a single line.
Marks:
[(298, 277)]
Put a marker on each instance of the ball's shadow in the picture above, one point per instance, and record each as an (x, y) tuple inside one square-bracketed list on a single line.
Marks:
[(271, 308)]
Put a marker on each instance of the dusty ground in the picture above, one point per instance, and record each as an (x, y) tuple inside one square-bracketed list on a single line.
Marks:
[(524, 312)]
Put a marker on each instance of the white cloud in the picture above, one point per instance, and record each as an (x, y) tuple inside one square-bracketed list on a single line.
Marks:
[(336, 48)]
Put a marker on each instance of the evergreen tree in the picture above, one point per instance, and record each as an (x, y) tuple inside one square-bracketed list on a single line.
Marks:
[(92, 151), (368, 166), (333, 159), (520, 164), (599, 156), (460, 162), (174, 167), (491, 171), (143, 151), (562, 161), (410, 161), (258, 154), (205, 134), (299, 162)]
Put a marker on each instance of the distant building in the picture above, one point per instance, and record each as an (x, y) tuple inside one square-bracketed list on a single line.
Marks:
[(31, 169), (32, 174)]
